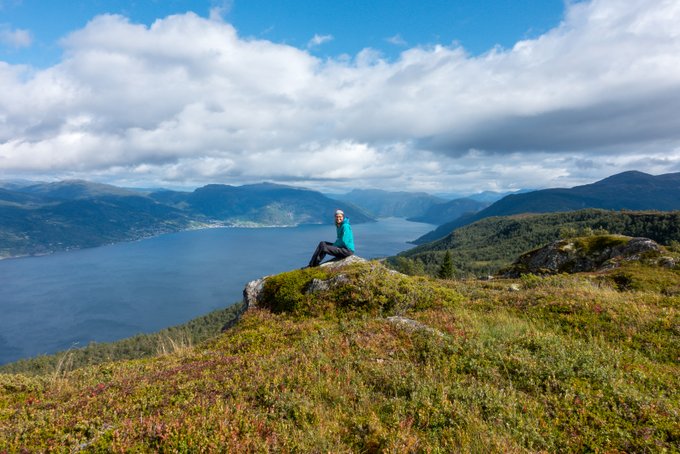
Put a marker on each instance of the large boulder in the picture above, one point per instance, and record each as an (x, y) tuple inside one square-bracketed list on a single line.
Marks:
[(339, 263), (583, 254), (252, 293)]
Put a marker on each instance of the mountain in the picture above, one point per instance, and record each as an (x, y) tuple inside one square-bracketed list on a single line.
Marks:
[(11, 197), (75, 189), (446, 228), (387, 204), (625, 191), (362, 359), (492, 196), (31, 229), (449, 211), (48, 217), (16, 183), (265, 203)]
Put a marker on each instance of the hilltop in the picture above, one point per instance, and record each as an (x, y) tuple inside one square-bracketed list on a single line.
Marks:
[(359, 358)]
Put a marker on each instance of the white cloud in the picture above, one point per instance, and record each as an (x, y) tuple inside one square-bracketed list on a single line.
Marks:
[(15, 38), (187, 100), (220, 9), (318, 40), (397, 40)]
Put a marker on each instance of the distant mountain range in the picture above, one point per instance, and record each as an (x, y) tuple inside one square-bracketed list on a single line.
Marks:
[(381, 203), (453, 209), (490, 197), (415, 206), (261, 204), (628, 190), (48, 217), (74, 190)]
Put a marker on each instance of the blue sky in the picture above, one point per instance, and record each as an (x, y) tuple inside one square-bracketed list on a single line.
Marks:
[(343, 27), (436, 96)]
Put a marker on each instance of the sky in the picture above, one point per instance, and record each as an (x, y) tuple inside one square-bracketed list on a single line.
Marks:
[(450, 97)]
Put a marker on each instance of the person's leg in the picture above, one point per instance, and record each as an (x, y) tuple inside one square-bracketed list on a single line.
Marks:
[(320, 253), (338, 252), (324, 248)]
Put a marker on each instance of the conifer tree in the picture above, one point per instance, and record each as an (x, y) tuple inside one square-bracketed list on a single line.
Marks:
[(446, 268)]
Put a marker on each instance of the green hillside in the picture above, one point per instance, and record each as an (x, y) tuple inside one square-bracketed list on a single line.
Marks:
[(73, 224), (382, 362), (493, 243), (631, 191)]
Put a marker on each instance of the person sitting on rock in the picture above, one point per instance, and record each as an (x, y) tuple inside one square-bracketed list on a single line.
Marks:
[(343, 246)]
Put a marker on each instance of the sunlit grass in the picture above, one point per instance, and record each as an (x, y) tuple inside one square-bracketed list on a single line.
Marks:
[(566, 363)]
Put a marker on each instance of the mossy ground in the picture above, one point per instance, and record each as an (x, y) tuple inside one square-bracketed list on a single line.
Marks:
[(565, 363)]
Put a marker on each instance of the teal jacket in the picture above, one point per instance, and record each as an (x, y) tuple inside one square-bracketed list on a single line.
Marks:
[(345, 237)]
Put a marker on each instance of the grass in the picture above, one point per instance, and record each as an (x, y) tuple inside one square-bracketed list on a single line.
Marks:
[(566, 363), (168, 340)]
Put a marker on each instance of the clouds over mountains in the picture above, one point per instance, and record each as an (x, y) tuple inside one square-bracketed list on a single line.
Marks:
[(189, 100)]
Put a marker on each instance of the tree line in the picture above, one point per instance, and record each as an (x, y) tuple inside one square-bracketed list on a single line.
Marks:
[(490, 244)]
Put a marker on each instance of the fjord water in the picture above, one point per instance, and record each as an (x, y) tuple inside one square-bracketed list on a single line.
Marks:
[(70, 299)]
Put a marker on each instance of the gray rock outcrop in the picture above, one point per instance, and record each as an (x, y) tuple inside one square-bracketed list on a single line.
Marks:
[(339, 263), (252, 293), (583, 255), (320, 285)]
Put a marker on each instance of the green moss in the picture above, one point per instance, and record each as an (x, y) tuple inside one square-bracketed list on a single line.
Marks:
[(596, 244), (635, 276), (360, 289), (286, 292)]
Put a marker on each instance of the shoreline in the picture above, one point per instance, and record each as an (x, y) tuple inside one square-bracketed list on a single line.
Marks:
[(190, 228)]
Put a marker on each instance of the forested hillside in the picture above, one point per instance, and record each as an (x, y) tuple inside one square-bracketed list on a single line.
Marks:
[(625, 191), (493, 243)]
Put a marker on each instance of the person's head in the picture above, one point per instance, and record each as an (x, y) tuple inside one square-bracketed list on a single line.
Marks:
[(339, 217)]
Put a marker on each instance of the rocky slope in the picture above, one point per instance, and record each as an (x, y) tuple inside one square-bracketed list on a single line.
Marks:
[(587, 254)]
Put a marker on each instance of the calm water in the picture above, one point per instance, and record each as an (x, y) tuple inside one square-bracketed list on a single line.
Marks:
[(68, 299)]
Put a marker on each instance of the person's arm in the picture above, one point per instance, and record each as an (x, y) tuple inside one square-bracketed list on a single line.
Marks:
[(345, 238), (340, 240)]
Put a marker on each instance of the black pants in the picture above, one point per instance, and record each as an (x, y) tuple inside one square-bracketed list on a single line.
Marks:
[(327, 248)]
